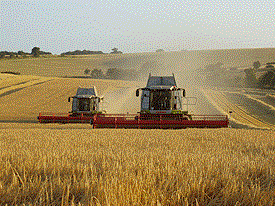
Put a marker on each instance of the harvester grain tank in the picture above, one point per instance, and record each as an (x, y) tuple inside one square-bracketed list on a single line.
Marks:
[(85, 104), (161, 107)]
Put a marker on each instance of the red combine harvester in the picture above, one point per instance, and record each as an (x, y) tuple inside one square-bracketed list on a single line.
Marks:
[(85, 105), (161, 107)]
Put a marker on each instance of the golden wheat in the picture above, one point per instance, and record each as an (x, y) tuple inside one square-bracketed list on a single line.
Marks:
[(61, 165), (9, 80), (57, 66), (26, 96)]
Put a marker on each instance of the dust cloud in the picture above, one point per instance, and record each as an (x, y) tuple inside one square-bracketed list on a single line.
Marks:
[(191, 72), (122, 101)]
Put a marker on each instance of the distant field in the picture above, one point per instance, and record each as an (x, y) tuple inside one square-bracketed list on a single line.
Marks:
[(167, 62), (75, 165), (69, 65), (24, 97)]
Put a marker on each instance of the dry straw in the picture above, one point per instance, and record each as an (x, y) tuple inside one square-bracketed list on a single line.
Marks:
[(79, 166)]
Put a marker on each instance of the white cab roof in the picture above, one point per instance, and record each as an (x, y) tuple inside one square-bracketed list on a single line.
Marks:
[(162, 81), (86, 92)]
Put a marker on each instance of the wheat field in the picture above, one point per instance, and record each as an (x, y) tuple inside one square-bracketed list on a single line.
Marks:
[(75, 165), (24, 97), (9, 79), (176, 61), (54, 66)]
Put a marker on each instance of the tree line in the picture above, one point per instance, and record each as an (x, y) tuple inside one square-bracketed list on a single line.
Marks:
[(36, 52), (257, 76), (112, 73), (79, 52), (87, 52)]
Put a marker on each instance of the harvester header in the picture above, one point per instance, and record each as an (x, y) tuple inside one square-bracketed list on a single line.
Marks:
[(85, 104), (161, 107)]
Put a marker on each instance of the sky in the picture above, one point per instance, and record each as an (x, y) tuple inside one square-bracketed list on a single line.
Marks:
[(136, 26)]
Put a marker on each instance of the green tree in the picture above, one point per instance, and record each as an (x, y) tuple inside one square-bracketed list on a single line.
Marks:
[(21, 53), (2, 56), (256, 65), (97, 74), (87, 71), (35, 51), (115, 51), (159, 50), (268, 79)]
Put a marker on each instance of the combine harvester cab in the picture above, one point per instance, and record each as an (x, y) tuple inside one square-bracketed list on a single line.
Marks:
[(162, 98), (85, 104), (161, 107)]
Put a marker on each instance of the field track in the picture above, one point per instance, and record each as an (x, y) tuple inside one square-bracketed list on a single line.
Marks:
[(14, 87), (239, 115)]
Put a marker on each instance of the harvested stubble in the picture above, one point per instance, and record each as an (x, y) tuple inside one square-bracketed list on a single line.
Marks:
[(62, 166), (9, 80), (50, 96)]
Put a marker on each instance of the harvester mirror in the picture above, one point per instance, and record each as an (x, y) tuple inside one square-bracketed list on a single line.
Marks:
[(69, 99), (137, 92), (183, 92)]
